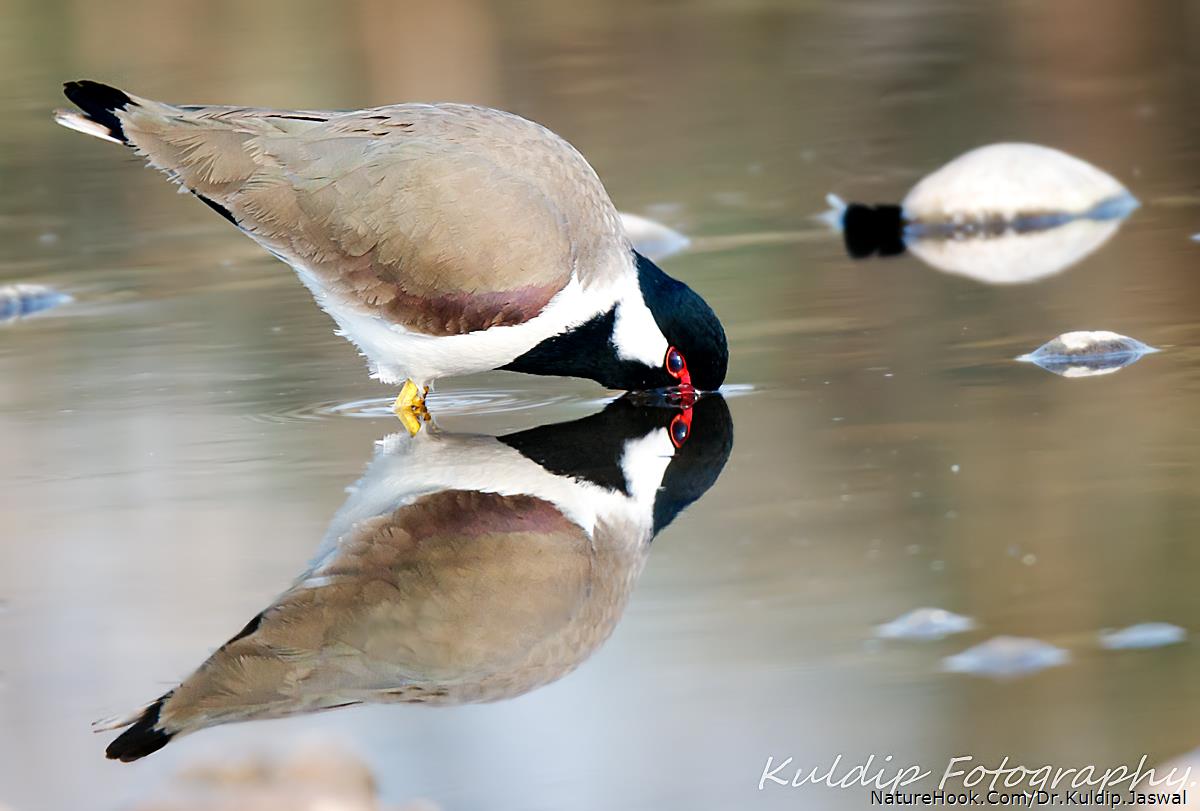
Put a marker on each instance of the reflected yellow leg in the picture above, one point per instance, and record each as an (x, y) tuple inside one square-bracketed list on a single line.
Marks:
[(410, 407)]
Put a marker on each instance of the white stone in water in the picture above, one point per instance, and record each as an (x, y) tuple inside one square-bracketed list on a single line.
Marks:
[(1143, 635), (925, 624), (1087, 353), (652, 239), (1013, 213), (1007, 182), (1006, 656), (1007, 213)]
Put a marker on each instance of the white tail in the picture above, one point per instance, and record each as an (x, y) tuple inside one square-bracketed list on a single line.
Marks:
[(81, 123)]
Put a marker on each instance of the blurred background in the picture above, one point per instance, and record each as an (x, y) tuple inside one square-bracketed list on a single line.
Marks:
[(173, 446)]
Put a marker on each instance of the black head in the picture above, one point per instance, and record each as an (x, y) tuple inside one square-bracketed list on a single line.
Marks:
[(590, 350), (688, 324)]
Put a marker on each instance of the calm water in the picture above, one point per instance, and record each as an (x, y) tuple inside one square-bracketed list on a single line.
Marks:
[(178, 439)]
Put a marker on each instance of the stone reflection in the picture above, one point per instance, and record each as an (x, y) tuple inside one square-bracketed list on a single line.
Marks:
[(1000, 214), (462, 568)]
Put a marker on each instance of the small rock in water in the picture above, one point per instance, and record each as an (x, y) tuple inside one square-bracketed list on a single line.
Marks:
[(1143, 635), (1006, 656), (1000, 214), (20, 300), (652, 239), (925, 624), (1087, 353)]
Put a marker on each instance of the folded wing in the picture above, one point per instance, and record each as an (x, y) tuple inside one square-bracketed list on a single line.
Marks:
[(444, 219)]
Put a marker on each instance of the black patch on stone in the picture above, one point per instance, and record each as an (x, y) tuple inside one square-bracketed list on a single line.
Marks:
[(871, 230)]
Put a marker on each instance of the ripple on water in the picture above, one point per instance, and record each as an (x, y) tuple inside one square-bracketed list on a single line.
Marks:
[(450, 404), (460, 402)]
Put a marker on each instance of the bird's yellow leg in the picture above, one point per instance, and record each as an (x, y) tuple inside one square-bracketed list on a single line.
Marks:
[(410, 407)]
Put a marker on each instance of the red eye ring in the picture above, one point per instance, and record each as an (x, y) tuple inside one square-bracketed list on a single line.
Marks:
[(676, 366), (681, 427)]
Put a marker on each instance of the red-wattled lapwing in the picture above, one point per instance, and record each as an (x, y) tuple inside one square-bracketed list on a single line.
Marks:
[(443, 239)]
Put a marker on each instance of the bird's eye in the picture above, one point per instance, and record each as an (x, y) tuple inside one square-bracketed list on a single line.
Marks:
[(676, 365), (681, 427)]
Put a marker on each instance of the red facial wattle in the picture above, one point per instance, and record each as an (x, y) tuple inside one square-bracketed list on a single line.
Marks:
[(681, 424), (676, 366), (681, 427)]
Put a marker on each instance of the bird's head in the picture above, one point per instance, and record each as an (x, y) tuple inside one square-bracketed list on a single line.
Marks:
[(661, 334), (697, 354)]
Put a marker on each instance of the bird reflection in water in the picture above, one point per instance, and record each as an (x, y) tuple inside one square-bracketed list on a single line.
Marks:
[(462, 568)]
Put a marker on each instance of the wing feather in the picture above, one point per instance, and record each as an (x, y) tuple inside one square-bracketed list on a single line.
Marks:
[(443, 219)]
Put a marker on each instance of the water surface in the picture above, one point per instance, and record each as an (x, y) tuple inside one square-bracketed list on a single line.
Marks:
[(177, 439)]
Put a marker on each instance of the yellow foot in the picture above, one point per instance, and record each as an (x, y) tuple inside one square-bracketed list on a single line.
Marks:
[(410, 407)]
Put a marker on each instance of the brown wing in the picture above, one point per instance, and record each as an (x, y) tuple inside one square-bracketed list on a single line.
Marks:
[(444, 219)]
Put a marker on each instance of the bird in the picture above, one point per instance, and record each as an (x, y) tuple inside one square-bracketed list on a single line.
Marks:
[(443, 239), (461, 568)]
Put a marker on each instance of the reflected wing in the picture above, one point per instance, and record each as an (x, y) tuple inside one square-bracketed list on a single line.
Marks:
[(459, 596), (457, 586)]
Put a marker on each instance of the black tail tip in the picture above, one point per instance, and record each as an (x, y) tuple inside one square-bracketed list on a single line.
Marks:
[(142, 738), (98, 101)]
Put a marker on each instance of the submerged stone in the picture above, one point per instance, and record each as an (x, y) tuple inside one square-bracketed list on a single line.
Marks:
[(1012, 187), (21, 300), (925, 624), (1143, 635), (1087, 353), (1006, 656)]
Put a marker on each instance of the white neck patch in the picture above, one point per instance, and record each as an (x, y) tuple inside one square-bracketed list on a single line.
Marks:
[(644, 462), (636, 336)]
